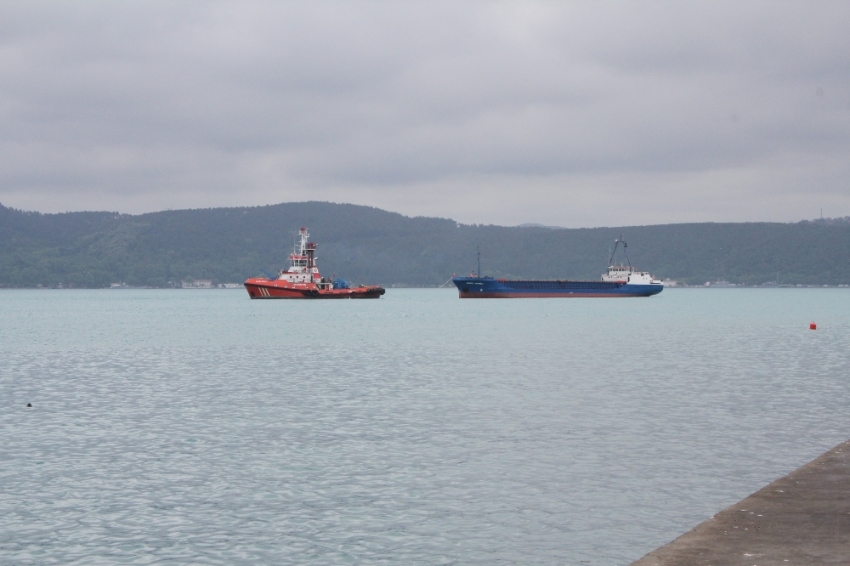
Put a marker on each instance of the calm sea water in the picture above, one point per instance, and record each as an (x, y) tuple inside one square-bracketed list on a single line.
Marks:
[(202, 427)]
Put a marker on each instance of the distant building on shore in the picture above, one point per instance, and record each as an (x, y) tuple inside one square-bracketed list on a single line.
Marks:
[(198, 284), (722, 283)]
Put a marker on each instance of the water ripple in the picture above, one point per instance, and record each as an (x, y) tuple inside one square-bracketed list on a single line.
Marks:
[(204, 428)]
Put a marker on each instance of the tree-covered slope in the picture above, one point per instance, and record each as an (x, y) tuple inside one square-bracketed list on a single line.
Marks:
[(369, 245)]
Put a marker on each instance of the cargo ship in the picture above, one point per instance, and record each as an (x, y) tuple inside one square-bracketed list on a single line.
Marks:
[(618, 281), (303, 281)]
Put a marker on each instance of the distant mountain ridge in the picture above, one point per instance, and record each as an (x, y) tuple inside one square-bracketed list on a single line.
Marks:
[(368, 245)]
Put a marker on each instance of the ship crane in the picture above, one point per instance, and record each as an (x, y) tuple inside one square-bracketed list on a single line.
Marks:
[(625, 251)]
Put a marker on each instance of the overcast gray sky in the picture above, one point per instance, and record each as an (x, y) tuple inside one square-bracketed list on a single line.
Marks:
[(563, 113)]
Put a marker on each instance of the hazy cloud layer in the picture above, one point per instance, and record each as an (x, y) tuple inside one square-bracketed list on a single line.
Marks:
[(576, 114)]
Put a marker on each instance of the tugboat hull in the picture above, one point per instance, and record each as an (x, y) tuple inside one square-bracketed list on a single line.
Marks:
[(259, 288)]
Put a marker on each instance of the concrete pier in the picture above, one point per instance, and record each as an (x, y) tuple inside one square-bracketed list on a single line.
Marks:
[(801, 519)]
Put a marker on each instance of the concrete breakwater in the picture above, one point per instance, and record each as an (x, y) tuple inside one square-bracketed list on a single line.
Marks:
[(802, 518)]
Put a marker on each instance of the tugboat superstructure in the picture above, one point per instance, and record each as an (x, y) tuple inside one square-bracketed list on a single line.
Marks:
[(303, 281)]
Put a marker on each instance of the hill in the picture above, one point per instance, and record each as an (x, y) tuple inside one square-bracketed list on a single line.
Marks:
[(369, 245)]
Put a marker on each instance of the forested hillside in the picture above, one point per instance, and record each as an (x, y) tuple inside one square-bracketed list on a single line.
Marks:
[(369, 245)]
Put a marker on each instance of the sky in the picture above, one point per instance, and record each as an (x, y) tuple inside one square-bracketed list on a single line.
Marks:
[(572, 114)]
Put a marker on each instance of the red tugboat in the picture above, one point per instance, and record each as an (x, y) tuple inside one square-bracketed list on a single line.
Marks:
[(302, 279)]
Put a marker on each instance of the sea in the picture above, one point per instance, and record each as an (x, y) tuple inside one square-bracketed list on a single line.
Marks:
[(202, 427)]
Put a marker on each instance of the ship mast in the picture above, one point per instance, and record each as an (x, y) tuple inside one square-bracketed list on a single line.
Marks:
[(300, 256), (311, 250)]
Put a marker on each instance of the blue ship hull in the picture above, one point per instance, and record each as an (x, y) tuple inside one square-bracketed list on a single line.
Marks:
[(490, 288)]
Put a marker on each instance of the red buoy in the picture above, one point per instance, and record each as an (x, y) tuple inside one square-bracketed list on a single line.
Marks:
[(813, 326)]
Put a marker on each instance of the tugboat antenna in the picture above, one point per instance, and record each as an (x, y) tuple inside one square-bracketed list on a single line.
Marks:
[(478, 273)]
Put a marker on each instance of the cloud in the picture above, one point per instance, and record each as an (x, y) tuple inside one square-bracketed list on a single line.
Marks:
[(575, 114)]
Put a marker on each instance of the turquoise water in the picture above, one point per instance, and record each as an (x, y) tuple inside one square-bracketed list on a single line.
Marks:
[(203, 427)]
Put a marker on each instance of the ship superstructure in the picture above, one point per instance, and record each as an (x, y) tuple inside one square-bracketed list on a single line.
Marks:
[(626, 273)]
